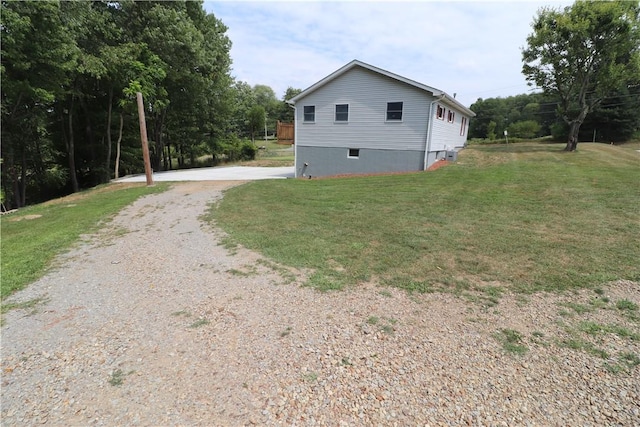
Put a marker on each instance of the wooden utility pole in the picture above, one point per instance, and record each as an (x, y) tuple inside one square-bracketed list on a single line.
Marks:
[(143, 137)]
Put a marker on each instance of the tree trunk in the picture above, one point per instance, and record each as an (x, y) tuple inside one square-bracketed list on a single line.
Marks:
[(71, 151), (23, 179), (16, 184), (108, 159), (572, 143), (117, 168), (159, 145), (169, 155)]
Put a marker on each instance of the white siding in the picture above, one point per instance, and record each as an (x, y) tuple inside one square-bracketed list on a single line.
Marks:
[(367, 94), (446, 135)]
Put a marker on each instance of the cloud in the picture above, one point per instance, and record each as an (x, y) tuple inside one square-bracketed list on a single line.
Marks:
[(472, 48)]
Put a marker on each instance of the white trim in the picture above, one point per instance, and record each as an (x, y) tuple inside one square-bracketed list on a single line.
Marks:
[(386, 112), (304, 118), (335, 113), (427, 145), (349, 156)]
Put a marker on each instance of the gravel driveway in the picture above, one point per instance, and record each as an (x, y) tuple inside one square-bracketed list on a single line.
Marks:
[(153, 322)]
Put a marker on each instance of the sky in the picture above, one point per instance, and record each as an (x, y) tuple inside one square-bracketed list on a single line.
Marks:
[(470, 48)]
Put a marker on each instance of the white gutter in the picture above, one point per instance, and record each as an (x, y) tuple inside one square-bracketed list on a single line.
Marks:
[(295, 145), (427, 145)]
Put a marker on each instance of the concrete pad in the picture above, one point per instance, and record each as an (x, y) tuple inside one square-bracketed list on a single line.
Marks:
[(221, 173)]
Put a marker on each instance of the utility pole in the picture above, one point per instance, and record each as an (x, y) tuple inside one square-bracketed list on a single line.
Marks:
[(143, 137)]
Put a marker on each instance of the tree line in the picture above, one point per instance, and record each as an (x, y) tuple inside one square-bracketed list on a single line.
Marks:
[(535, 115), (70, 72)]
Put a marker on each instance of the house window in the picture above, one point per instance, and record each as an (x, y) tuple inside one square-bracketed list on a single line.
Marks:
[(440, 113), (394, 110), (451, 116), (354, 153), (342, 112), (309, 113), (463, 126)]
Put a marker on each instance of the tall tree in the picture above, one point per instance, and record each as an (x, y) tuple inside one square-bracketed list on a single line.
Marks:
[(582, 54), (38, 54)]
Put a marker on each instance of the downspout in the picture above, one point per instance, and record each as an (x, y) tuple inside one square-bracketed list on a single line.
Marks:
[(427, 145), (295, 145)]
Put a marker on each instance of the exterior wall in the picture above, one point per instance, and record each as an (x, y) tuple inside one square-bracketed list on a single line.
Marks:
[(445, 135), (385, 146), (367, 94), (327, 161)]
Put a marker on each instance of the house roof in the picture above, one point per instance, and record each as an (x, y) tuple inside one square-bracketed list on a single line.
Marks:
[(446, 98)]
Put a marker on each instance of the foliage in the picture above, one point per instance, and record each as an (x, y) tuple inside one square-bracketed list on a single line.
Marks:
[(582, 54), (256, 120), (575, 219), (524, 129), (70, 72)]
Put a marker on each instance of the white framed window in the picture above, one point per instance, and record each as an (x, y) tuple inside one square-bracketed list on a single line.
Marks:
[(394, 111), (353, 153), (309, 113), (451, 117), (342, 113), (463, 126), (440, 112)]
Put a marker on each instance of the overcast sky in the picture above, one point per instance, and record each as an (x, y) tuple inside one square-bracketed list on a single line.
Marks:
[(472, 48)]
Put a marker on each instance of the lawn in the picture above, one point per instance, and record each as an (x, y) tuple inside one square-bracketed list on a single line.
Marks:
[(524, 216), (33, 236)]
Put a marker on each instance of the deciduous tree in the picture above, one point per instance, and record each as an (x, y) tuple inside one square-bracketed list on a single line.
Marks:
[(582, 54)]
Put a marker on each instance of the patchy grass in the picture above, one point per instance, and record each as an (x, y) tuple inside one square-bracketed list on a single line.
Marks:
[(117, 377), (525, 217), (200, 322), (511, 341), (33, 236), (626, 305)]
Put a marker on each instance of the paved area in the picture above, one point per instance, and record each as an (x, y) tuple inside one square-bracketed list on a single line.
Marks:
[(221, 173)]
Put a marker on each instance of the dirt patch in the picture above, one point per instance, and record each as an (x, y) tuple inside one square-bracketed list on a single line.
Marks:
[(26, 217)]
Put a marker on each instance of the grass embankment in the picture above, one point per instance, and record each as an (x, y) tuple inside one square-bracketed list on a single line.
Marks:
[(33, 236), (526, 216)]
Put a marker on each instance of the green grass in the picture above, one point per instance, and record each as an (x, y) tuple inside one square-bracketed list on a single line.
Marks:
[(200, 322), (626, 305), (30, 245), (526, 217), (511, 341)]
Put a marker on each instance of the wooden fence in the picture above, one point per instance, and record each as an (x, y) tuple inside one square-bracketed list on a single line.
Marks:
[(285, 133)]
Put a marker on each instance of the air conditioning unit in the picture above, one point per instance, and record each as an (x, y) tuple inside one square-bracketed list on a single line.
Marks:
[(452, 156)]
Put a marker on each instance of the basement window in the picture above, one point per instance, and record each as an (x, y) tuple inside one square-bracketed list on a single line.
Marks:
[(440, 113), (309, 113), (354, 153), (394, 111), (342, 112)]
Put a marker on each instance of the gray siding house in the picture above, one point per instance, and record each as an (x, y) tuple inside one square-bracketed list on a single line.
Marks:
[(362, 119)]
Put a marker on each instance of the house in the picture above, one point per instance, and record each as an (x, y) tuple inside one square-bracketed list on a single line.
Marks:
[(362, 119)]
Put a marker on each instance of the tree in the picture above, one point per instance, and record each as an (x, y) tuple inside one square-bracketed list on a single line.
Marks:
[(37, 56), (256, 121), (582, 54), (285, 112), (524, 129), (266, 98), (70, 68)]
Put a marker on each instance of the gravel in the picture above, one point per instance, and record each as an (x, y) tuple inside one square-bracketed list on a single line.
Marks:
[(153, 321)]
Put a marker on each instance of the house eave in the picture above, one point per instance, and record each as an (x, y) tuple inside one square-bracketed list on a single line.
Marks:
[(356, 63)]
